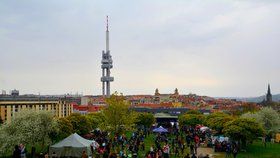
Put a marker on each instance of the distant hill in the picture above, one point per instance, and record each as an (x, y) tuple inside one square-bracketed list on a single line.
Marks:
[(275, 98)]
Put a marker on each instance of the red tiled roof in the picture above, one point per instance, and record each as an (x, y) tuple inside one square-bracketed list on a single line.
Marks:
[(88, 108), (74, 103), (151, 105)]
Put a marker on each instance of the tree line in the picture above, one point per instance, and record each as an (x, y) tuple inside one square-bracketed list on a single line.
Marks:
[(242, 128)]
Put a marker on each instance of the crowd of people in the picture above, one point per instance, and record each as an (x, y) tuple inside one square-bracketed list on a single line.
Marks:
[(158, 150), (226, 146), (177, 142), (119, 146)]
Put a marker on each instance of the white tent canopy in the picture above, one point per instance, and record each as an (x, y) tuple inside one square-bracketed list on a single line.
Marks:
[(72, 146), (204, 128)]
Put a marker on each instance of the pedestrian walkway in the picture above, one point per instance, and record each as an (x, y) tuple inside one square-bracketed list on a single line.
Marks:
[(210, 152)]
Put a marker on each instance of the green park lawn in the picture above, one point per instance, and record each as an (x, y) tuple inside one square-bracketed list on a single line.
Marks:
[(257, 150)]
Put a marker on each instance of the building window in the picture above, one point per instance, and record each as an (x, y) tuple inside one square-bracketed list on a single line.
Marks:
[(16, 108)]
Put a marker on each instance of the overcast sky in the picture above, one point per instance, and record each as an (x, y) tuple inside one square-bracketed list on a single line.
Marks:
[(214, 48)]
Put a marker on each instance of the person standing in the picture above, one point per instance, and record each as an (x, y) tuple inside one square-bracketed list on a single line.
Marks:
[(152, 151), (192, 148), (195, 147), (228, 150), (84, 154), (166, 150), (46, 155), (53, 155), (234, 151), (22, 151), (264, 140), (176, 152), (16, 153), (193, 156)]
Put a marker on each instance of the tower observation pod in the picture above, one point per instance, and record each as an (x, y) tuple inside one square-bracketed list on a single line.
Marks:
[(106, 65)]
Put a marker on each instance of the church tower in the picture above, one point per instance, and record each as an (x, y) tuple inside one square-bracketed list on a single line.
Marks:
[(176, 93), (157, 92), (157, 97), (106, 65), (268, 95)]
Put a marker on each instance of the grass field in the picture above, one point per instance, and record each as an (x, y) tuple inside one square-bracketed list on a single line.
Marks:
[(257, 150)]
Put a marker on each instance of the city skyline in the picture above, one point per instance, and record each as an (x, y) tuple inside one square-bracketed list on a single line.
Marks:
[(217, 48)]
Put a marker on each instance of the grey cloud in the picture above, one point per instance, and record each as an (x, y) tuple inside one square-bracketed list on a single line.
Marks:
[(206, 47)]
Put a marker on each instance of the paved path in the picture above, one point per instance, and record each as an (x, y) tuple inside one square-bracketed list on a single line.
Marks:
[(210, 152)]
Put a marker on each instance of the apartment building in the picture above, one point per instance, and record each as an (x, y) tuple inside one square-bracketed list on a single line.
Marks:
[(10, 105)]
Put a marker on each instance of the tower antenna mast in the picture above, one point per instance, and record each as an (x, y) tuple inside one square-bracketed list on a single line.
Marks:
[(107, 26), (106, 65)]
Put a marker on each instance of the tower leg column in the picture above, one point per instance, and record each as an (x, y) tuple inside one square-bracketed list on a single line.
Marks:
[(103, 83), (108, 89), (103, 89)]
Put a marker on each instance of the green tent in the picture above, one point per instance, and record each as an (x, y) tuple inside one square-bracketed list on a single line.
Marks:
[(72, 146)]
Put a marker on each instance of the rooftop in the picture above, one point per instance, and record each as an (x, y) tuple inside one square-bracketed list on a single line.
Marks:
[(29, 98)]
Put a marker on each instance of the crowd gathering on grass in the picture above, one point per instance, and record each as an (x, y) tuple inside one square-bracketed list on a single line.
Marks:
[(121, 132)]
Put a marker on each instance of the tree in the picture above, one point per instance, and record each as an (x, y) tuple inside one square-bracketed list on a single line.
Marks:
[(1, 121), (145, 119), (64, 129), (94, 119), (27, 127), (196, 112), (191, 119), (243, 130), (117, 117), (80, 123), (244, 108), (217, 121), (269, 119)]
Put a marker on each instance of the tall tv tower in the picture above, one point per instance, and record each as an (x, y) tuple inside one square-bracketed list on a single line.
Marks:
[(106, 65)]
